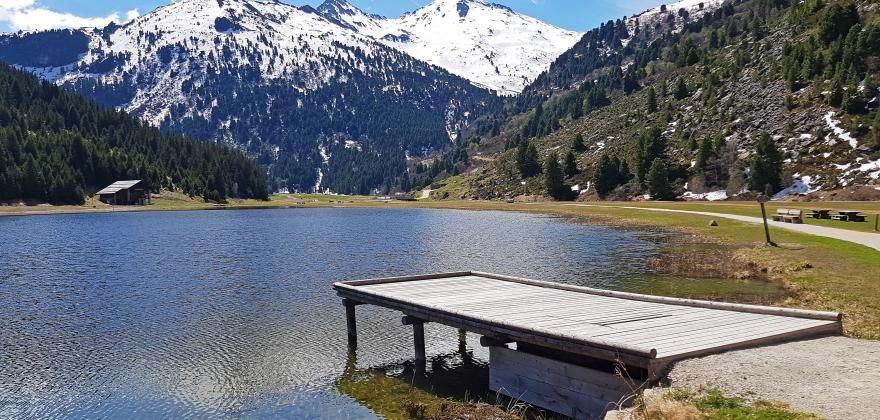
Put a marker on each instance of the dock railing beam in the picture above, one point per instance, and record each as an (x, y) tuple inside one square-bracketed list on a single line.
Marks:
[(351, 322)]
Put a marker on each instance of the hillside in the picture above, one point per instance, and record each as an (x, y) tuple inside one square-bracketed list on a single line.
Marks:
[(56, 147), (760, 95)]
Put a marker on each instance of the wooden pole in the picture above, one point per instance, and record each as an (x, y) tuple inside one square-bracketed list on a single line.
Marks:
[(876, 221), (462, 338), (350, 322), (763, 199), (419, 341)]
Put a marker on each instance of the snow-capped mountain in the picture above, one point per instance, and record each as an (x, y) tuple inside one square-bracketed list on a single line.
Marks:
[(286, 84), (486, 43)]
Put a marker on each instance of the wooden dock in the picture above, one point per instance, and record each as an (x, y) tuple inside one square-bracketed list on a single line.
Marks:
[(563, 328)]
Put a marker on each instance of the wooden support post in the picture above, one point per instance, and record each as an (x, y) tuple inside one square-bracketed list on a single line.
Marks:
[(351, 322), (418, 325), (462, 338)]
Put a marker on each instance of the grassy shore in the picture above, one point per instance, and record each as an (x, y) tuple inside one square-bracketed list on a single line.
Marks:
[(814, 272)]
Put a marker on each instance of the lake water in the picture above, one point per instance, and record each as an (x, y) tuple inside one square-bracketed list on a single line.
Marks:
[(231, 313)]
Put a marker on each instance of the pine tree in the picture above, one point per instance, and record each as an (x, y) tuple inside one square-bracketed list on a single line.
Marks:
[(681, 90), (578, 144), (766, 166), (651, 145), (569, 166), (527, 159), (835, 99), (554, 183), (604, 178), (652, 101), (703, 154), (658, 181)]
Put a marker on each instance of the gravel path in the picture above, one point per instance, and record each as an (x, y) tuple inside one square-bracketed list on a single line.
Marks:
[(868, 239), (833, 377)]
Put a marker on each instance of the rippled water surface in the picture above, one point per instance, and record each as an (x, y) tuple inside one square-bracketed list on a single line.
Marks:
[(231, 313)]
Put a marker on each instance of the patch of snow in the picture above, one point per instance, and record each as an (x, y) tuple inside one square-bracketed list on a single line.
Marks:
[(842, 134), (716, 195), (800, 185), (720, 195), (872, 168)]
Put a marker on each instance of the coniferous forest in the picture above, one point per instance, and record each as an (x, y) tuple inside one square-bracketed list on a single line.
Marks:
[(57, 147)]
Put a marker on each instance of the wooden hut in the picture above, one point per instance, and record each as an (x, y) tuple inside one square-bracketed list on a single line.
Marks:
[(133, 192)]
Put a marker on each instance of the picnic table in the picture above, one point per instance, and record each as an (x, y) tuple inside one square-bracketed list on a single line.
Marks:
[(819, 214), (848, 216)]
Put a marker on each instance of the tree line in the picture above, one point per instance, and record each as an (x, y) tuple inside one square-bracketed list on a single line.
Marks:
[(57, 146)]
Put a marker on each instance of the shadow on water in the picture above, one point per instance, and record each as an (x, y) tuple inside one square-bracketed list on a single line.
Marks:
[(390, 389), (386, 389)]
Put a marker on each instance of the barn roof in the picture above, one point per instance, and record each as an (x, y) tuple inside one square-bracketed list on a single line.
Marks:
[(118, 186)]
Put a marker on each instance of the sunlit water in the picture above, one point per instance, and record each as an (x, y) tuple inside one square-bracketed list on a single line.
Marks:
[(232, 313)]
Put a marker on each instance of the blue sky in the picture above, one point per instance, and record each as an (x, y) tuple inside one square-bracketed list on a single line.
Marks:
[(577, 15)]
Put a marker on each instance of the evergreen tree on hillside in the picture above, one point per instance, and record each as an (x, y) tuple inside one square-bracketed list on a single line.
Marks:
[(578, 144), (658, 181), (836, 19), (569, 166), (652, 101), (554, 182), (704, 153), (527, 159), (605, 177), (765, 171), (681, 90), (651, 145)]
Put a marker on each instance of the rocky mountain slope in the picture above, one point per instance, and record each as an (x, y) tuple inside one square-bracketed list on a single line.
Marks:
[(322, 106), (698, 87), (486, 43)]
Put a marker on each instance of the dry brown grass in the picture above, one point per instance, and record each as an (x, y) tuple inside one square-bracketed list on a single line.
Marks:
[(667, 409), (459, 410)]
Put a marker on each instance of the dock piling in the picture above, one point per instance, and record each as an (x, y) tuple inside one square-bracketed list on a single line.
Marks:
[(350, 322), (418, 326)]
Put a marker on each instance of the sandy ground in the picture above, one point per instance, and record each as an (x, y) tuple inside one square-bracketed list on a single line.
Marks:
[(869, 239), (833, 377)]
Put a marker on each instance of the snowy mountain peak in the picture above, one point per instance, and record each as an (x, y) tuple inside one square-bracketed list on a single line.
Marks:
[(339, 8), (489, 44), (348, 16)]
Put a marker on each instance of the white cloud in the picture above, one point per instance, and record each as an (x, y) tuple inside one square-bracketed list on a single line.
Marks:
[(27, 15)]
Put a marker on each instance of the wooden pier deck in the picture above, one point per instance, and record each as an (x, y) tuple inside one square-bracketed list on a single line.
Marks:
[(639, 330)]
